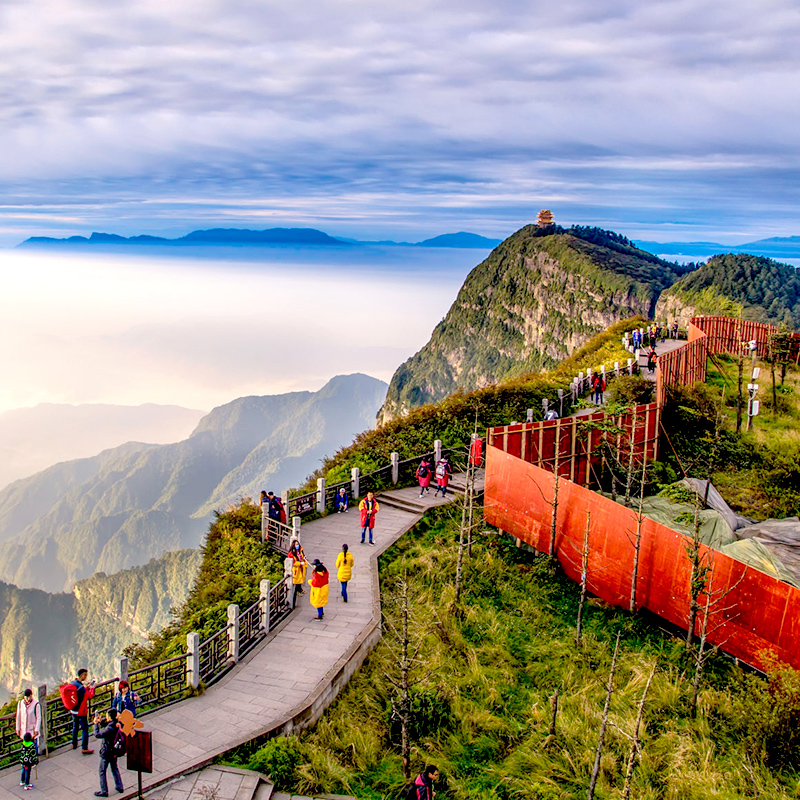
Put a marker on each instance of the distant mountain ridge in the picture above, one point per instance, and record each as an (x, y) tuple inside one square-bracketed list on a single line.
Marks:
[(245, 236), (132, 503), (774, 247), (32, 439), (539, 295)]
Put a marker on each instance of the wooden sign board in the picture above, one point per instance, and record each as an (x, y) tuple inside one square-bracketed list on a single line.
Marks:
[(303, 505), (140, 752)]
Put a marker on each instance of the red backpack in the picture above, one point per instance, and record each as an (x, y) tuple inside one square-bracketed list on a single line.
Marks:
[(69, 696)]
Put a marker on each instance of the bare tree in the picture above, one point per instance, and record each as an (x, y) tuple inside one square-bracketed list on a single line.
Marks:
[(553, 712), (584, 577), (406, 648), (637, 540), (636, 746), (603, 724)]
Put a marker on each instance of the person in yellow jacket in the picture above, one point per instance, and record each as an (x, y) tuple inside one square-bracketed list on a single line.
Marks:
[(319, 588), (299, 567), (344, 565)]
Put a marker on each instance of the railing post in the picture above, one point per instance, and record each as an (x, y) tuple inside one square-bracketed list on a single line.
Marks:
[(630, 366), (285, 499), (296, 523), (121, 669), (437, 451), (603, 374), (264, 521), (529, 416), (264, 589), (41, 696), (321, 495), (193, 660), (355, 479), (560, 402), (395, 468), (233, 632), (616, 369)]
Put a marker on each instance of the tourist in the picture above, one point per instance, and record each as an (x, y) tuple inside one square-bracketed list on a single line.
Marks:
[(344, 565), (369, 510), (299, 567), (28, 759), (551, 413), (443, 473), (341, 502), (108, 757), (84, 692), (125, 698), (424, 475), (675, 329), (29, 718), (422, 788), (598, 387), (319, 588), (651, 360), (273, 508)]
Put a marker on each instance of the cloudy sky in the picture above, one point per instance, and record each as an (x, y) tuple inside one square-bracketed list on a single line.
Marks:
[(667, 120)]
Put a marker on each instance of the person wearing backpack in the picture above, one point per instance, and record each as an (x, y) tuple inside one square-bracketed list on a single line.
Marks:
[(443, 473), (422, 788), (28, 759), (599, 386), (76, 696), (424, 476), (112, 748)]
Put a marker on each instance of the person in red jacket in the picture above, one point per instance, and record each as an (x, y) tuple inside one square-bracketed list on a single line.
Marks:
[(80, 713), (369, 510), (443, 473), (424, 472)]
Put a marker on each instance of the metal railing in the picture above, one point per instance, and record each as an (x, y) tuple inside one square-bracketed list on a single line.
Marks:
[(280, 601), (9, 741), (302, 504), (251, 627), (332, 490), (214, 655), (159, 684), (276, 534)]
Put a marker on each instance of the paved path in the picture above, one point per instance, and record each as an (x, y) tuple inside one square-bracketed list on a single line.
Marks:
[(272, 683), (662, 348)]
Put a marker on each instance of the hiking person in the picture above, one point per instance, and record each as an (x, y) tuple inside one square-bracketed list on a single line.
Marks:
[(598, 387), (551, 413), (319, 588), (344, 567), (443, 473), (280, 510), (29, 718), (422, 788), (28, 759), (273, 508), (84, 692), (675, 329), (424, 475), (369, 510), (125, 698), (299, 567), (108, 751), (341, 502), (651, 360)]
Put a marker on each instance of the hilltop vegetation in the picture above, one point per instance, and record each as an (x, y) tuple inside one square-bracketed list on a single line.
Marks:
[(759, 288), (539, 295)]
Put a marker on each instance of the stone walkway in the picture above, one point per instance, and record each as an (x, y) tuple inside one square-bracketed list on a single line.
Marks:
[(294, 667)]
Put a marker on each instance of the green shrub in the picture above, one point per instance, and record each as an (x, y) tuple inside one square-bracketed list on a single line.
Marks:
[(279, 758)]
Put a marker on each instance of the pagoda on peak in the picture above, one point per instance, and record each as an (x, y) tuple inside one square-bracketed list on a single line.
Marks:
[(545, 218)]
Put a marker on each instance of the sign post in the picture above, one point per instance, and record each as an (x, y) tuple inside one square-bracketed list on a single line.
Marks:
[(139, 748)]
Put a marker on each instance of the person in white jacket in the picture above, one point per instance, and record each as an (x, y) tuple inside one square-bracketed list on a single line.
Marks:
[(29, 717)]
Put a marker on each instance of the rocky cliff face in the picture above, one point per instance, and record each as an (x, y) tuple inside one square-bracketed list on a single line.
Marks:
[(526, 307)]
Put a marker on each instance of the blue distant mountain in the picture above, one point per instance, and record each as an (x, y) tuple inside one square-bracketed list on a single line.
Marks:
[(214, 236), (237, 237), (775, 247)]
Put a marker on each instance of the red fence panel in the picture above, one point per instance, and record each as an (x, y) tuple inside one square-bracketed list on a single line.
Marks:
[(760, 613)]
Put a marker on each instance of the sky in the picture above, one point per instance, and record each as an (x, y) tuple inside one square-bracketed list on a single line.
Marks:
[(662, 120)]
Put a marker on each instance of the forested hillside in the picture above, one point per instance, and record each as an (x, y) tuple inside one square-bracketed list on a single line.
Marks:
[(539, 295), (760, 288), (45, 637)]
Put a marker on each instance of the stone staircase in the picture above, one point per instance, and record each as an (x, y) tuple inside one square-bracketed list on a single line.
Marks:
[(228, 783)]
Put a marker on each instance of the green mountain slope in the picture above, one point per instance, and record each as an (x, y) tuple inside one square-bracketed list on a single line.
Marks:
[(44, 637), (538, 296), (137, 502), (762, 289)]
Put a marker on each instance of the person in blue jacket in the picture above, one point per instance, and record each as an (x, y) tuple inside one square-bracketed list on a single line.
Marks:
[(125, 698), (341, 502)]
